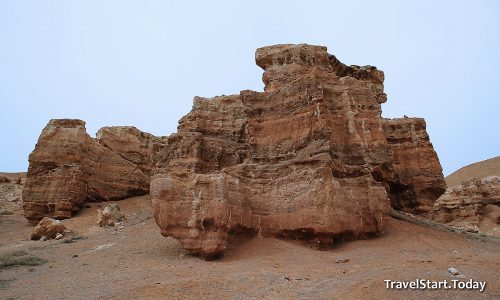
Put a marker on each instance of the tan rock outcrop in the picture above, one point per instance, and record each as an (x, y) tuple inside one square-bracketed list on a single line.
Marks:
[(310, 157), (476, 202), (68, 167)]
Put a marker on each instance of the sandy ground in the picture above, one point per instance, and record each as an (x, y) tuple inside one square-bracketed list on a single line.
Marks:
[(136, 262)]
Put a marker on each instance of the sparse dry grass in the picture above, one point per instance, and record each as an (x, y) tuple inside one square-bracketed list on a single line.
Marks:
[(19, 258)]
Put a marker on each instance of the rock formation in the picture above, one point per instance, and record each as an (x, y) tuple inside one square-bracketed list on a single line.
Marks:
[(416, 180), (68, 167), (473, 204), (310, 158)]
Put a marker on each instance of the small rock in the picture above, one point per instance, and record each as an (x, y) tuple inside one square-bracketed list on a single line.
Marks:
[(76, 255), (100, 247), (12, 197), (43, 238), (454, 252), (109, 215), (342, 261), (58, 236), (453, 271), (494, 232), (47, 227)]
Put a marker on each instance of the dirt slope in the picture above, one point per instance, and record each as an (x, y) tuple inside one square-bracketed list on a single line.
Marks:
[(138, 263), (13, 175), (478, 170)]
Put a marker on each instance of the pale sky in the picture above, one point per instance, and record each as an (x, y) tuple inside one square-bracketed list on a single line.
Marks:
[(141, 63)]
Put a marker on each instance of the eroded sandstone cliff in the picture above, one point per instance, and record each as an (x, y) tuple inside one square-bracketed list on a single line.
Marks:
[(310, 157), (68, 167)]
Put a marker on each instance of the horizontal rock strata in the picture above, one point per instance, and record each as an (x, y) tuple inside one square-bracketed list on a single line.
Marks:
[(416, 180), (68, 167), (474, 203), (309, 158)]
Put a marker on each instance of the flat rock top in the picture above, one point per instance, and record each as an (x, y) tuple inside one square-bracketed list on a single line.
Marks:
[(289, 53), (66, 123)]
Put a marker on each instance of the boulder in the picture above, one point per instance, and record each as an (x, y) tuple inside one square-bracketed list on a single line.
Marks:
[(309, 158), (48, 228), (110, 215)]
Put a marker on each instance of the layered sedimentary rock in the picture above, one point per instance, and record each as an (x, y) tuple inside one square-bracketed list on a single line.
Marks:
[(68, 167), (416, 180), (310, 157), (476, 202)]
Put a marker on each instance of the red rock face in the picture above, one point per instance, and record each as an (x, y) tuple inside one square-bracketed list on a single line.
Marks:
[(310, 157), (68, 167), (416, 180)]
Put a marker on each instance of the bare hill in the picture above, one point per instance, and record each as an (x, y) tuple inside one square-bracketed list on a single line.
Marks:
[(478, 170)]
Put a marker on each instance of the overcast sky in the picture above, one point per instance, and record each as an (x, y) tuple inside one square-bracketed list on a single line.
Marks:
[(141, 62)]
